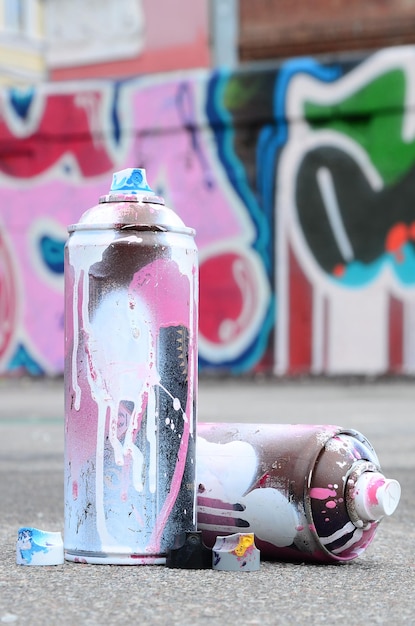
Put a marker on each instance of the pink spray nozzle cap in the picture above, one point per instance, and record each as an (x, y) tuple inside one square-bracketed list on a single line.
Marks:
[(375, 496)]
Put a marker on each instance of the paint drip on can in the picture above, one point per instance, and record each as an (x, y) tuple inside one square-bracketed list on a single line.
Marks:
[(131, 317), (308, 492)]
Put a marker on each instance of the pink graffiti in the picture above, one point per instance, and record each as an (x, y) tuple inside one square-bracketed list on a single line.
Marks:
[(180, 162), (39, 295), (72, 159), (8, 298)]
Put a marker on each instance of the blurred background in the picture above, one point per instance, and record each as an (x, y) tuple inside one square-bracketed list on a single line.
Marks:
[(283, 131)]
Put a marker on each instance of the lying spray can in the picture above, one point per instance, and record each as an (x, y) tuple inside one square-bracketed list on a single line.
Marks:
[(130, 377), (309, 493)]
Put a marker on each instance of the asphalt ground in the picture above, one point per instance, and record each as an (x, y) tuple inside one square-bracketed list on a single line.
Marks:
[(375, 588)]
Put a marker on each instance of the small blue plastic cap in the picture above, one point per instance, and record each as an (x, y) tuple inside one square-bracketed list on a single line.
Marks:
[(130, 181)]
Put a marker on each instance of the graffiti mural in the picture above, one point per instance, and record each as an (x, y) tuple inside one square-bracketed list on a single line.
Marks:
[(299, 179), (345, 224)]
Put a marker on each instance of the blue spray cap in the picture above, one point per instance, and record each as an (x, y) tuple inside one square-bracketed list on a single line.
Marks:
[(131, 181)]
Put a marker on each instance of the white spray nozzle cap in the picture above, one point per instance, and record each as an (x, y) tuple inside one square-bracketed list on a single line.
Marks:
[(132, 180), (39, 547), (375, 496)]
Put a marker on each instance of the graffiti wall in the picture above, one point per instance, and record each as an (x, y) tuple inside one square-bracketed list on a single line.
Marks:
[(299, 180)]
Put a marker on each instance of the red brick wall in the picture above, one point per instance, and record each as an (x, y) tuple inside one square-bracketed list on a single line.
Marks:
[(283, 28)]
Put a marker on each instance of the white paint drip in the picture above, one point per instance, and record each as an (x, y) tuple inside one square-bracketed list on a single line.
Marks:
[(104, 535), (124, 371), (187, 264), (75, 345), (80, 264)]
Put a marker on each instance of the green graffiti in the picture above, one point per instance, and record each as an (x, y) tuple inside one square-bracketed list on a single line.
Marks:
[(237, 94), (242, 91), (373, 117)]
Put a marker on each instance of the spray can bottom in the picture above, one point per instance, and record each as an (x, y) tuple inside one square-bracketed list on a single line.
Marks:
[(97, 558)]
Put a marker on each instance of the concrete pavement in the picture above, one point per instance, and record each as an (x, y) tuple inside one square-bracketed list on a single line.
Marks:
[(376, 588)]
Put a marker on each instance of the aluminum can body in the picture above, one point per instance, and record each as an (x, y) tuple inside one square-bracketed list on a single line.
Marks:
[(293, 486), (130, 380)]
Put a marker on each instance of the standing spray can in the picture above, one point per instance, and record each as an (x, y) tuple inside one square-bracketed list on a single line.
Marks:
[(308, 493), (131, 316)]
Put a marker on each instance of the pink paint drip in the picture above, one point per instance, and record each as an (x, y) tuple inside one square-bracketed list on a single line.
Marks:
[(154, 544), (321, 493)]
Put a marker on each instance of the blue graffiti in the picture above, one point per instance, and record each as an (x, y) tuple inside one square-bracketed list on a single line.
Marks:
[(357, 274), (224, 131), (22, 361), (222, 125), (273, 138), (115, 118), (52, 251), (21, 100)]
